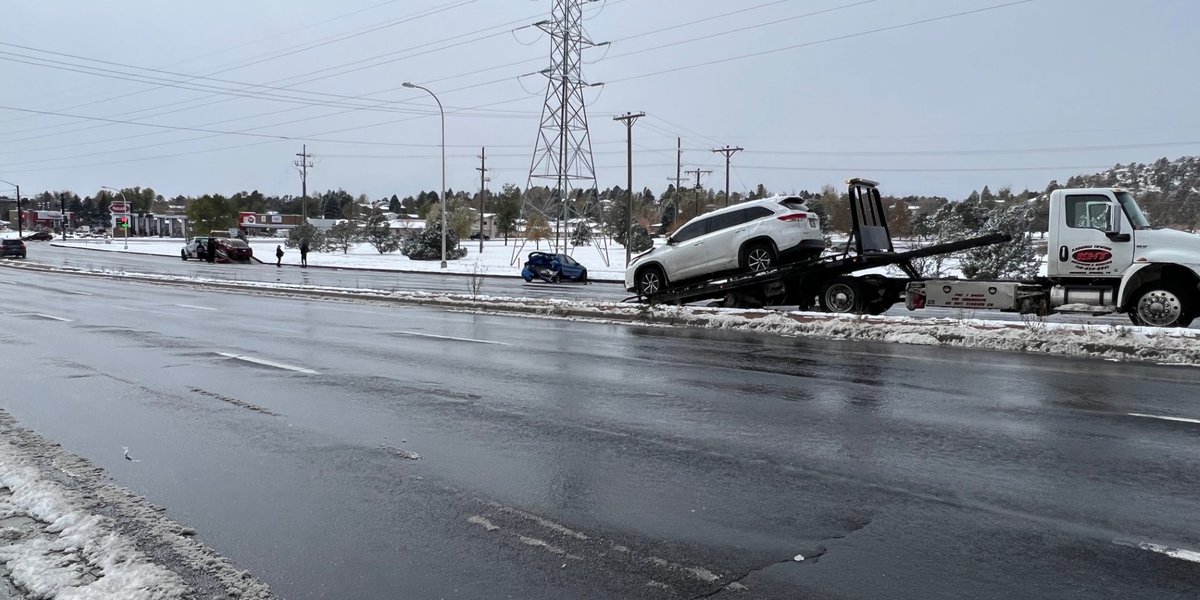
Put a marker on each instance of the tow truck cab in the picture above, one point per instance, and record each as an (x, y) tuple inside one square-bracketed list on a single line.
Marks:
[(1103, 256)]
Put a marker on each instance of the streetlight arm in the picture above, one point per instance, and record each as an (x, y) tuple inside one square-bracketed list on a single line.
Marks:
[(441, 112)]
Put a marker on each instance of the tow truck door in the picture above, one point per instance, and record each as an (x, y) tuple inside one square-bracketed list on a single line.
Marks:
[(1094, 237)]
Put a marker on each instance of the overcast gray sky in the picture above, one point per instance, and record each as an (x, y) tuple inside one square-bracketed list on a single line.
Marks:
[(1015, 96)]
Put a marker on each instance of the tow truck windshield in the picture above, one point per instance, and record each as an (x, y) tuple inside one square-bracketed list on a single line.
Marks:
[(1133, 211)]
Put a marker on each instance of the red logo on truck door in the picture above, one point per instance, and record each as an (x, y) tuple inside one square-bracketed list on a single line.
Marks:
[(1091, 255), (1089, 259)]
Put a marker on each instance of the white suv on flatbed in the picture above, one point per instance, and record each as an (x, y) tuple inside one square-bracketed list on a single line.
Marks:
[(747, 237)]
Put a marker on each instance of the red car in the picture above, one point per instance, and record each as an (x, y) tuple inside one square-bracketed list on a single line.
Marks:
[(235, 250)]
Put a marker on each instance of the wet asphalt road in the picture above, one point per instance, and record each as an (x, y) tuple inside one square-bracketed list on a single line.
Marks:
[(576, 460)]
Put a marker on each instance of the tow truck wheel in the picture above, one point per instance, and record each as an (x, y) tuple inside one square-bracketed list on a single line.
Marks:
[(650, 281), (1161, 305), (758, 257), (841, 296)]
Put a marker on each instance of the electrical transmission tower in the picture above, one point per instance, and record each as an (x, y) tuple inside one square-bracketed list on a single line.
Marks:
[(563, 151)]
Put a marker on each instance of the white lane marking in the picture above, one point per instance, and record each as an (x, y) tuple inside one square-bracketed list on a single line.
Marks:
[(8, 282), (446, 337), (51, 317), (1166, 418), (268, 363), (1180, 553), (195, 307), (79, 293)]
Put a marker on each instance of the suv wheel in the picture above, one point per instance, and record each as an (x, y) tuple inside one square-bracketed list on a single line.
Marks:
[(759, 257), (650, 281)]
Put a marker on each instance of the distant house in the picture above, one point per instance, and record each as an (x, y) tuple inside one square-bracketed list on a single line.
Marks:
[(402, 225)]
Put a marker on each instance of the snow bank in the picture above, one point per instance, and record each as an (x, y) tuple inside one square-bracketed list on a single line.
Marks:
[(66, 552), (66, 533)]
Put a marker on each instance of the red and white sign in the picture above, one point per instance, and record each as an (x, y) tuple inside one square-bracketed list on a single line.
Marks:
[(118, 207)]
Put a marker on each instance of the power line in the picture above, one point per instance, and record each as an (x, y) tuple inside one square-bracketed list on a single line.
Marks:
[(233, 47), (458, 42), (822, 41), (237, 147), (641, 51), (293, 50)]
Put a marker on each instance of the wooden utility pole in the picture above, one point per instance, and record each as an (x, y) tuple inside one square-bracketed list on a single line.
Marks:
[(629, 119), (482, 168), (304, 164), (728, 151), (698, 173)]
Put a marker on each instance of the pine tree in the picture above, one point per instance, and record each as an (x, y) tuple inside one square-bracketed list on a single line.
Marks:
[(342, 236), (1017, 259), (378, 233)]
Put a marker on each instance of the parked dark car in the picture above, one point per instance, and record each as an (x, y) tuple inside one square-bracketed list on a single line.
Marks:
[(12, 248), (40, 236), (475, 236), (553, 268)]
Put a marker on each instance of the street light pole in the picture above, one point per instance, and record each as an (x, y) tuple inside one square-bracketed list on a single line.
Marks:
[(443, 194), (20, 217), (126, 203)]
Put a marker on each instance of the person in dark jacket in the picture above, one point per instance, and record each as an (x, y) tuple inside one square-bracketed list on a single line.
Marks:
[(210, 249), (304, 253), (279, 256)]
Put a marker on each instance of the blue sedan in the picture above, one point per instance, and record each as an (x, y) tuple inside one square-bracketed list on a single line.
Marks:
[(553, 268)]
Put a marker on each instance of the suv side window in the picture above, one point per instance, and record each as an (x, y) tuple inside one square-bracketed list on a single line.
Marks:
[(755, 213), (694, 230), (726, 220)]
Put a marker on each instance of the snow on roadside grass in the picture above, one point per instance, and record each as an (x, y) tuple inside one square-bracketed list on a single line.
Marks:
[(1114, 342), (68, 534)]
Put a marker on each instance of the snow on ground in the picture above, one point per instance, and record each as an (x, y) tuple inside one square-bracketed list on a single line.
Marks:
[(497, 258), (1114, 342), (66, 533)]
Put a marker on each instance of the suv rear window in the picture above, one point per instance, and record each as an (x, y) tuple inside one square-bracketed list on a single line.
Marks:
[(12, 242), (794, 203)]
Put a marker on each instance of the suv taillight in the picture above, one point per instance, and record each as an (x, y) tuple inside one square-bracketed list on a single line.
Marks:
[(793, 217)]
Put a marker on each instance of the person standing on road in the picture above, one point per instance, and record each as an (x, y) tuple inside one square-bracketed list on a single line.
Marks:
[(210, 249), (279, 256), (304, 252)]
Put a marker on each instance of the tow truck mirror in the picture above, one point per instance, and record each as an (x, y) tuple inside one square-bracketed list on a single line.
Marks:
[(1113, 230)]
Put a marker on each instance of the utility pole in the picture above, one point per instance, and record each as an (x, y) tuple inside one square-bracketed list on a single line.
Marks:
[(698, 173), (482, 168), (304, 164), (728, 151), (20, 215), (629, 119), (62, 213)]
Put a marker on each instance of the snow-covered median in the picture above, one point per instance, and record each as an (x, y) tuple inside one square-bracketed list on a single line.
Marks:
[(66, 533), (1114, 342)]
